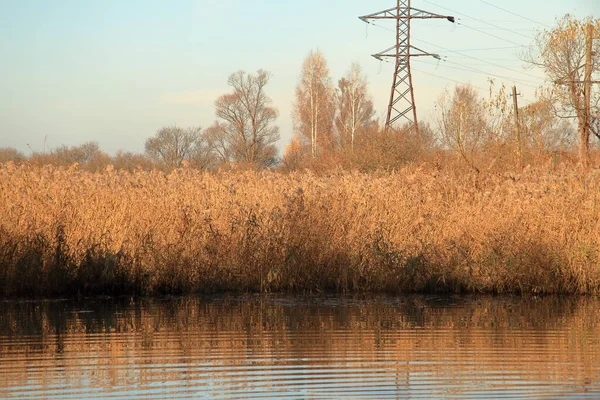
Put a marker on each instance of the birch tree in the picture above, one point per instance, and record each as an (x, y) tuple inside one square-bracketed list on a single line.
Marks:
[(313, 108), (462, 123), (354, 107)]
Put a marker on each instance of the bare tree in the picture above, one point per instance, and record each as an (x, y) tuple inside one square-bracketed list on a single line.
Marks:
[(354, 107), (88, 155), (202, 155), (313, 108), (542, 130), (561, 52), (81, 154), (10, 154), (245, 132), (172, 145), (217, 137), (129, 161), (462, 123), (294, 155)]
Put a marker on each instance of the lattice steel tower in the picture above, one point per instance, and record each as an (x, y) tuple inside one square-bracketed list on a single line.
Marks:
[(402, 98)]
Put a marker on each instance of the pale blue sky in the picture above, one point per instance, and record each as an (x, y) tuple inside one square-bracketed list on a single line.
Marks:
[(115, 71)]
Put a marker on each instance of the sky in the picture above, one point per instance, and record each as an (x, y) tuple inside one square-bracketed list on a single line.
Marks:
[(117, 71)]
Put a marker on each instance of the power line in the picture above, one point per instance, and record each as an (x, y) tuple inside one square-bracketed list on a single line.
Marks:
[(481, 30), (488, 59), (463, 83), (512, 30), (449, 79), (492, 48), (503, 21), (505, 62), (486, 62), (403, 40), (477, 71), (517, 45), (529, 101), (514, 13), (381, 27), (492, 35), (477, 65), (479, 59), (492, 29), (489, 28), (480, 20)]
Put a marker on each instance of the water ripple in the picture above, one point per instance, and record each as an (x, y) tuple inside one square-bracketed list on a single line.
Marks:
[(273, 347)]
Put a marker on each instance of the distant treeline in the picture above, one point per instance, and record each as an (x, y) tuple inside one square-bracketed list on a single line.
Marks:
[(335, 124), (375, 150)]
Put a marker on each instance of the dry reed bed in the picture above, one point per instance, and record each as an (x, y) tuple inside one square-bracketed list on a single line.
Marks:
[(66, 231)]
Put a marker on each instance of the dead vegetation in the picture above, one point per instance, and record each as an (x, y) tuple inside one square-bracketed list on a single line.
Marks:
[(69, 231)]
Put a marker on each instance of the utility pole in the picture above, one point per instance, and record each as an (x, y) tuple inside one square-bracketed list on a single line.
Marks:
[(517, 123), (402, 98)]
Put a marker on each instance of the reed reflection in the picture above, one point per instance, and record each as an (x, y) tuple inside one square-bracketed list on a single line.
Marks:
[(307, 346)]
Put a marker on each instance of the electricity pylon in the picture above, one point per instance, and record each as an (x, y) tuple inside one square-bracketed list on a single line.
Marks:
[(402, 98)]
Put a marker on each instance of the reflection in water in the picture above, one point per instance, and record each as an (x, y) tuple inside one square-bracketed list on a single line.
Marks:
[(308, 347)]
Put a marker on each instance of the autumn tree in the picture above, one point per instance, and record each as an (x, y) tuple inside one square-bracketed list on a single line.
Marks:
[(313, 108), (381, 148), (293, 156), (88, 155), (10, 154), (542, 130), (172, 145), (128, 161), (462, 123), (245, 132), (81, 154), (354, 107), (561, 52)]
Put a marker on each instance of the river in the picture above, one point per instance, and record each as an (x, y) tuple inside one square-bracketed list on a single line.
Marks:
[(306, 347)]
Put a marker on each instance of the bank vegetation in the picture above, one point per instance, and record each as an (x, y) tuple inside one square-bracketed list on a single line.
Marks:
[(70, 231)]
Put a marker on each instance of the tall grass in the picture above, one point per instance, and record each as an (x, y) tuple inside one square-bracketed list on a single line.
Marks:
[(67, 231)]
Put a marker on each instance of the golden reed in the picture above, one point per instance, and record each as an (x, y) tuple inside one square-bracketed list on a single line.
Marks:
[(68, 231)]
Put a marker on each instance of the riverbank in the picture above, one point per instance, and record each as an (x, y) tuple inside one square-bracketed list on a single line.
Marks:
[(68, 232)]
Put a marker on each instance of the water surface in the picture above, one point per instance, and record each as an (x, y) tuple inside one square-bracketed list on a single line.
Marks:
[(301, 347)]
